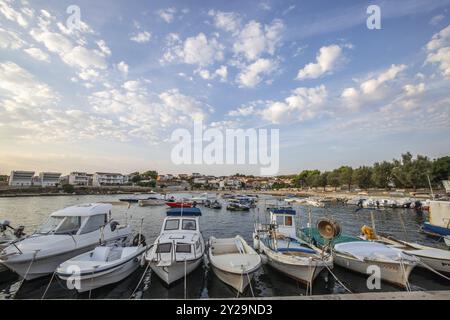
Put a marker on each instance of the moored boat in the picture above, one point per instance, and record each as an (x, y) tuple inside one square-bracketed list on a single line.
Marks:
[(102, 266), (151, 202), (177, 204), (233, 261), (358, 255), (67, 233), (285, 252), (179, 248), (447, 240)]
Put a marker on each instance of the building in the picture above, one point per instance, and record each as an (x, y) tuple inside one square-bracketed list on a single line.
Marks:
[(196, 175), (78, 179), (21, 178), (108, 179), (183, 176), (49, 179)]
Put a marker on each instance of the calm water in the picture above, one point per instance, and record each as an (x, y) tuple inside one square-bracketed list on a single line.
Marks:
[(202, 283)]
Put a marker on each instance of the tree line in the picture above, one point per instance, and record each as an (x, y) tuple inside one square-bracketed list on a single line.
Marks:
[(407, 172)]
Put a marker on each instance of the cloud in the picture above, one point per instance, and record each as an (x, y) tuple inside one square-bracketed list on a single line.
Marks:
[(439, 51), (10, 40), (370, 89), (222, 72), (437, 19), (256, 39), (244, 111), (141, 37), (327, 60), (123, 68), (264, 5), (13, 15), (303, 104), (37, 54), (253, 74), (227, 21), (20, 89), (198, 50), (167, 14)]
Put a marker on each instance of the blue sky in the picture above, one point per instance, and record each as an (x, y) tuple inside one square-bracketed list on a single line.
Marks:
[(107, 96)]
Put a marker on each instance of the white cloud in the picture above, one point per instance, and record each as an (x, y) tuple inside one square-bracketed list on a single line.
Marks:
[(414, 90), (371, 86), (84, 58), (37, 54), (13, 15), (227, 21), (244, 111), (20, 89), (222, 72), (89, 75), (141, 37), (10, 40), (167, 14), (303, 104), (253, 74), (123, 68), (256, 39), (439, 51), (264, 6), (327, 61), (436, 19), (106, 51)]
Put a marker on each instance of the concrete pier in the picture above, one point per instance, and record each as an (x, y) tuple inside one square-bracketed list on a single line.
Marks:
[(401, 295)]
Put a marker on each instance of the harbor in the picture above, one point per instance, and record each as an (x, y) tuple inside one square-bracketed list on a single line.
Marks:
[(203, 282)]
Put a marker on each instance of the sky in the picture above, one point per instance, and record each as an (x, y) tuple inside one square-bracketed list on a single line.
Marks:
[(107, 95)]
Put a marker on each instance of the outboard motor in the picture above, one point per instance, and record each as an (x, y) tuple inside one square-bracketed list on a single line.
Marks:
[(4, 224), (19, 232)]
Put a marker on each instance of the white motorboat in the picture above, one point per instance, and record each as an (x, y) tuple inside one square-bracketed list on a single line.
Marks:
[(100, 267), (233, 261), (358, 255), (447, 240), (67, 233), (151, 202), (200, 199), (435, 258), (180, 247), (285, 252)]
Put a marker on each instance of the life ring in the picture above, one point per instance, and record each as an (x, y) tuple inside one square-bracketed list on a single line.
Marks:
[(368, 233)]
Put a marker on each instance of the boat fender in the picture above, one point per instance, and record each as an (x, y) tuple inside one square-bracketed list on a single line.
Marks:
[(368, 233), (136, 242), (114, 225)]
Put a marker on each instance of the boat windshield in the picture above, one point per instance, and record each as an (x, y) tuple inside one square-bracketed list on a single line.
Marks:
[(61, 225)]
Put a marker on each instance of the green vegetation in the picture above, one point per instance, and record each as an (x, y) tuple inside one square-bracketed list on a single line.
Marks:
[(407, 172), (68, 188)]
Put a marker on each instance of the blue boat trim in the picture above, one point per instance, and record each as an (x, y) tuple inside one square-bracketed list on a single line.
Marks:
[(305, 250), (184, 212), (431, 228), (283, 211)]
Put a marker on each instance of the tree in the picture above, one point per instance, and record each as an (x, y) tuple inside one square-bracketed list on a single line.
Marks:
[(150, 174), (345, 176), (440, 169), (68, 188), (363, 177), (322, 180), (333, 179), (382, 174), (301, 180)]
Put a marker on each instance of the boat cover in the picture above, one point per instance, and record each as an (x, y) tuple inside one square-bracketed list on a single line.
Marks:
[(313, 233), (372, 250), (184, 212)]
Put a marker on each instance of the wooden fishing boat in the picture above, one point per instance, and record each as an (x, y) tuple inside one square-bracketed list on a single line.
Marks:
[(233, 261), (358, 255)]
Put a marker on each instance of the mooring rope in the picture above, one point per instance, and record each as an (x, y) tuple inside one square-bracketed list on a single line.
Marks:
[(48, 286), (407, 285), (336, 278), (26, 273), (433, 270), (142, 278)]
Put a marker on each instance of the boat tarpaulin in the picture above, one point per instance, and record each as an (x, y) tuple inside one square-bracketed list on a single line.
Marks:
[(372, 250)]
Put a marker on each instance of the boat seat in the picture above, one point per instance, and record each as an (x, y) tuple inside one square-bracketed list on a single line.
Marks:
[(128, 251), (101, 253)]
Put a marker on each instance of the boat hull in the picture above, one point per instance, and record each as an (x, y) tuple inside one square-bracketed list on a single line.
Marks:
[(237, 281), (179, 205), (175, 271), (103, 278), (389, 272), (447, 241)]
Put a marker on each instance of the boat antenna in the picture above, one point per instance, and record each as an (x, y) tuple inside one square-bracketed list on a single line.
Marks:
[(431, 188)]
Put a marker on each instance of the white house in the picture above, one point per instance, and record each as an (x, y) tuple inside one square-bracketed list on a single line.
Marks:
[(108, 179), (21, 178), (79, 179), (49, 179)]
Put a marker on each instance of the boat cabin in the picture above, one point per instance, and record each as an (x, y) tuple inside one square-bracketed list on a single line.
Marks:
[(180, 231), (77, 220), (284, 220)]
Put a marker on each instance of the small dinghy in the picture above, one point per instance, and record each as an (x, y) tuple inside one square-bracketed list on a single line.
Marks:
[(102, 266), (233, 261)]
